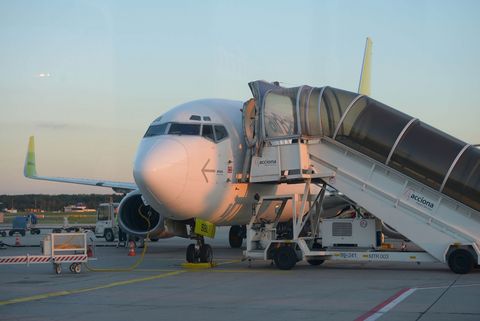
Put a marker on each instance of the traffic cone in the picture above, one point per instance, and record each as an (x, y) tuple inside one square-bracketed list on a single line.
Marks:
[(17, 241), (89, 251), (131, 250)]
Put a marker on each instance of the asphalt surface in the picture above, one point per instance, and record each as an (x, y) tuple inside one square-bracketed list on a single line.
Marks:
[(161, 289)]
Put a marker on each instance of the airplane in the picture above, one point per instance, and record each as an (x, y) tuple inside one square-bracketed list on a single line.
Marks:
[(190, 172)]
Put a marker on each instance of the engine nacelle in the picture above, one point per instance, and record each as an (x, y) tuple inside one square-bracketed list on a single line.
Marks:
[(130, 219)]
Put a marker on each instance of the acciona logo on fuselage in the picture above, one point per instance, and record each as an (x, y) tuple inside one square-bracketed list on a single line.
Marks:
[(419, 199)]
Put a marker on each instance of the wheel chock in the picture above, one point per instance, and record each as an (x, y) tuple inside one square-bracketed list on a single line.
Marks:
[(209, 265)]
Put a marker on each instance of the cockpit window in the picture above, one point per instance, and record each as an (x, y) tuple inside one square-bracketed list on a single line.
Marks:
[(220, 132), (195, 117), (155, 130), (184, 129), (207, 132)]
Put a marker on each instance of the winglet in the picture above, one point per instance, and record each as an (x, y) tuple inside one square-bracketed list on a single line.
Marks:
[(364, 85), (30, 169)]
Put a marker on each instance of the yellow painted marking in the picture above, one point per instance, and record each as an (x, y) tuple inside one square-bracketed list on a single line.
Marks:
[(230, 262), (198, 265), (100, 287)]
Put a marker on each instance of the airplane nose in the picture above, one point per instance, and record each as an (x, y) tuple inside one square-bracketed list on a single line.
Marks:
[(161, 168)]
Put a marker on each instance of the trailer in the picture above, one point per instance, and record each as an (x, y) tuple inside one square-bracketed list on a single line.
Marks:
[(58, 249)]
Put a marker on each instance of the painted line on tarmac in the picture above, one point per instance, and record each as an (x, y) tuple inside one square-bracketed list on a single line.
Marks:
[(386, 305), (100, 287), (229, 262), (446, 286)]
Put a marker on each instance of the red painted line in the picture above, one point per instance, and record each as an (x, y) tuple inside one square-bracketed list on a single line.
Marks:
[(368, 314)]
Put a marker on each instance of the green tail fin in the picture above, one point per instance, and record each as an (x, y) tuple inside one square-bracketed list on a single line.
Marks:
[(365, 76), (30, 169)]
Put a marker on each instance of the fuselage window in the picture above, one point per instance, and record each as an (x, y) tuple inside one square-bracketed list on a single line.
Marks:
[(184, 129), (220, 132), (207, 132), (156, 130)]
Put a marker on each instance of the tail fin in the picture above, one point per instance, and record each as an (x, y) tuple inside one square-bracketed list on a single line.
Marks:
[(30, 169), (365, 76)]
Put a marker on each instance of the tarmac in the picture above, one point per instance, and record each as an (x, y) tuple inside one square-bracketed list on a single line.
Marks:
[(161, 289)]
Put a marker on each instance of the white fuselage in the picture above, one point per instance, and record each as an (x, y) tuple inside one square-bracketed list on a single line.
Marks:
[(184, 172)]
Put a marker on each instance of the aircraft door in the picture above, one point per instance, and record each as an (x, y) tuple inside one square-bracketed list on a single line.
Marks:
[(249, 117)]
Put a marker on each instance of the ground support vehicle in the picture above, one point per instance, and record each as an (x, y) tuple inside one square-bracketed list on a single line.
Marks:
[(107, 224), (376, 157), (57, 249)]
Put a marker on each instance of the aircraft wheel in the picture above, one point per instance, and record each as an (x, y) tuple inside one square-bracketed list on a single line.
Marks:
[(235, 237), (206, 254), (285, 258), (191, 255), (461, 261)]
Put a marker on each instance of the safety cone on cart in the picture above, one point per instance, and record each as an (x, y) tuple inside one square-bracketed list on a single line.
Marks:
[(17, 241), (131, 250)]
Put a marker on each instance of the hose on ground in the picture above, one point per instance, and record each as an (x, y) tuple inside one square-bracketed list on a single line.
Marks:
[(134, 265)]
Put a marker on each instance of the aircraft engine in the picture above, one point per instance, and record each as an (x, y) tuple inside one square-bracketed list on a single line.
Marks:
[(131, 221)]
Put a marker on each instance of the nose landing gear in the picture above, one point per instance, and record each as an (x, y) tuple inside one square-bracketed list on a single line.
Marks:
[(199, 252)]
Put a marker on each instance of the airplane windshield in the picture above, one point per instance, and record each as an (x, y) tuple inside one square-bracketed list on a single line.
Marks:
[(184, 129), (215, 133), (155, 130)]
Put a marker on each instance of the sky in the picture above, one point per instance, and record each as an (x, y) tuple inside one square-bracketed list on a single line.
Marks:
[(87, 77)]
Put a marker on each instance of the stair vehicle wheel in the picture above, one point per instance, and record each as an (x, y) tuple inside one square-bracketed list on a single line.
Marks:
[(206, 254), (78, 268), (109, 237), (72, 267), (315, 262), (235, 237), (10, 233), (461, 261), (285, 258), (4, 233), (191, 257)]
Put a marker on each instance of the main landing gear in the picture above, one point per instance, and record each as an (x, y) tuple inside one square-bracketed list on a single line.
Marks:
[(199, 252), (236, 235)]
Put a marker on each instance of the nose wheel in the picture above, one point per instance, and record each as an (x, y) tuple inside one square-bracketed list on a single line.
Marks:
[(199, 252)]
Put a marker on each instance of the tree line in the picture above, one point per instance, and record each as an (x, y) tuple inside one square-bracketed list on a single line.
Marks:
[(55, 202)]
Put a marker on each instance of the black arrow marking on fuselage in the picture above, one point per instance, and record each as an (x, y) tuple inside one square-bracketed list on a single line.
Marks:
[(204, 170)]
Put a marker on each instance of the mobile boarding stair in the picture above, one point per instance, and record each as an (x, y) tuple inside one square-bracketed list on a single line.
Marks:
[(370, 153)]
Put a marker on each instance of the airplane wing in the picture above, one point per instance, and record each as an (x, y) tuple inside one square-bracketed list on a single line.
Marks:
[(364, 85), (30, 171)]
